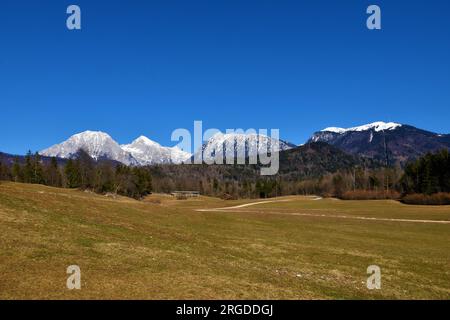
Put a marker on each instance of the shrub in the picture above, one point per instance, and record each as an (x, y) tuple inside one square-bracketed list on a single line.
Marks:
[(227, 196), (424, 199), (369, 195)]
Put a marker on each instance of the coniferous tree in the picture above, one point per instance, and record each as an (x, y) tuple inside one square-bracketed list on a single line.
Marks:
[(85, 165), (104, 179), (17, 172), (52, 174), (28, 170), (4, 172), (72, 174), (38, 174), (143, 182)]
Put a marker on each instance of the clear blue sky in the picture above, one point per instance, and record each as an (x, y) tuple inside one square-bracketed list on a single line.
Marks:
[(149, 67)]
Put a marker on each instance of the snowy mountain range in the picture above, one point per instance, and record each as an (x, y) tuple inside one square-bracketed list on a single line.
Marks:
[(143, 151), (100, 145), (389, 142)]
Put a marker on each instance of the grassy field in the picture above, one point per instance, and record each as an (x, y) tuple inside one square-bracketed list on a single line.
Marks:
[(162, 248)]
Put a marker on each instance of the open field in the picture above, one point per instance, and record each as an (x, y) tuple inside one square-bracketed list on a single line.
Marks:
[(162, 248)]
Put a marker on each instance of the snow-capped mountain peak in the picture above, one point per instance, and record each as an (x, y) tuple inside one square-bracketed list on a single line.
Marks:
[(377, 126), (334, 129), (148, 152), (239, 145), (146, 141), (97, 144)]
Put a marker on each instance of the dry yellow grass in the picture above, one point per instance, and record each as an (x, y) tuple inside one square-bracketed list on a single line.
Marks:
[(162, 248)]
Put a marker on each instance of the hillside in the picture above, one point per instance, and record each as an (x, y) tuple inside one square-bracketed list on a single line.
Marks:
[(313, 160)]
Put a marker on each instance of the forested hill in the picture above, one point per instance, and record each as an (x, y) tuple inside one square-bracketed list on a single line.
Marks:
[(316, 159)]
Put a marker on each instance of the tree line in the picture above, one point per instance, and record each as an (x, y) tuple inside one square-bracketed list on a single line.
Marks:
[(428, 175), (82, 172)]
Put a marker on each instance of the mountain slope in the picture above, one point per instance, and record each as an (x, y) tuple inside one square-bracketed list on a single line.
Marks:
[(391, 143), (315, 159)]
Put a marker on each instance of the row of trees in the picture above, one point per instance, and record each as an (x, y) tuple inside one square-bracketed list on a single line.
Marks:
[(246, 182), (358, 183), (32, 170), (82, 172)]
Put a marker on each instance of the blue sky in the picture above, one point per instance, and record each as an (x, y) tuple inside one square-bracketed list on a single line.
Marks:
[(149, 67)]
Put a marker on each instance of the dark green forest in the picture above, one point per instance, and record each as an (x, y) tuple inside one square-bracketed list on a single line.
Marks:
[(428, 175)]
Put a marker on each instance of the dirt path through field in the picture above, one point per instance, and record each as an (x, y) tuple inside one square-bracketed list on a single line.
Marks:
[(233, 209), (242, 205)]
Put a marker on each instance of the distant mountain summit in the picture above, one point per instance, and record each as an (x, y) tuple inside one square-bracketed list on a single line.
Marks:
[(97, 144), (240, 145), (148, 152), (391, 143), (376, 126)]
